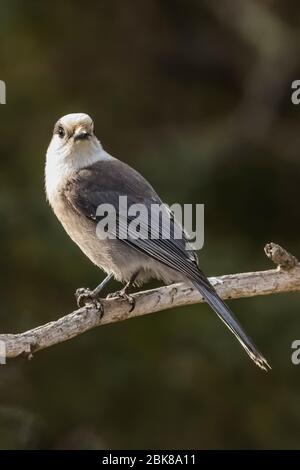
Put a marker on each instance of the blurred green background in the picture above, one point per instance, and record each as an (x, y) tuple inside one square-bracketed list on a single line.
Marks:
[(196, 95)]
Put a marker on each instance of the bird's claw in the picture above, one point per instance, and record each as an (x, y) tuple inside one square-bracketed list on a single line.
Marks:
[(122, 294), (85, 296)]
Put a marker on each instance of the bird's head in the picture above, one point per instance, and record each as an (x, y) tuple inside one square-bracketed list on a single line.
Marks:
[(73, 129), (73, 146), (73, 140)]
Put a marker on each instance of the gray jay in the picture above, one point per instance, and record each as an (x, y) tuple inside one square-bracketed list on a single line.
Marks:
[(80, 176)]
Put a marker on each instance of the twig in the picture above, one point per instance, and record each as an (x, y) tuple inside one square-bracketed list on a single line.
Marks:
[(231, 286)]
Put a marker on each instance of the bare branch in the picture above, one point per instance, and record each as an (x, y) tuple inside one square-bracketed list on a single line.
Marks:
[(280, 256), (231, 286)]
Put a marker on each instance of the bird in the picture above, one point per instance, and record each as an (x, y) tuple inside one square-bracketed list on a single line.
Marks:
[(80, 176)]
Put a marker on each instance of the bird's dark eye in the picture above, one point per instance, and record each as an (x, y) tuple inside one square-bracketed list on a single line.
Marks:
[(61, 131)]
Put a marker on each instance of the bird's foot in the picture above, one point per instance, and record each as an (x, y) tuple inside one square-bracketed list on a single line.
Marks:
[(122, 294), (85, 296)]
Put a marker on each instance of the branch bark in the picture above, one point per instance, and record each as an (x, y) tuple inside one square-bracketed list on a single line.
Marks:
[(285, 278)]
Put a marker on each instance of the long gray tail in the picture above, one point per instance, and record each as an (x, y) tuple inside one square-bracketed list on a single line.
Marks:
[(223, 312)]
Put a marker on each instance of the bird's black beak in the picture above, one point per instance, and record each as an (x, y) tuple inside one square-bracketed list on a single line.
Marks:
[(81, 135)]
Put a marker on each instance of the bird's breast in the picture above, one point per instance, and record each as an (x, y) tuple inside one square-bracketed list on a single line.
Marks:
[(82, 231)]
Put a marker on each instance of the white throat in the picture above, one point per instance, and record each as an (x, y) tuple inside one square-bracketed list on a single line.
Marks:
[(62, 163)]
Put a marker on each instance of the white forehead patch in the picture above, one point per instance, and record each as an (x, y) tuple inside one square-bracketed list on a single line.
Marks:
[(74, 119)]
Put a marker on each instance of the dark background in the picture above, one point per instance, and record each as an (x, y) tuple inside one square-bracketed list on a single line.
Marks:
[(197, 96)]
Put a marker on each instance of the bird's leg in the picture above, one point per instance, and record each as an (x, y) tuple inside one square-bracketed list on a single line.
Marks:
[(85, 295), (123, 293)]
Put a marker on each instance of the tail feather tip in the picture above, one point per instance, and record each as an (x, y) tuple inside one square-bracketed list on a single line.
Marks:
[(261, 362)]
